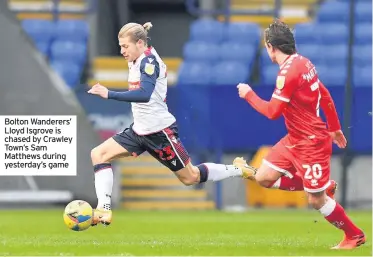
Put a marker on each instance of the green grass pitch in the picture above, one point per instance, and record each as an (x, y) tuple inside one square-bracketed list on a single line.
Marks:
[(257, 232)]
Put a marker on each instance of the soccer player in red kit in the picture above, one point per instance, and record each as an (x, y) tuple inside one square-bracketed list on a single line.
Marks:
[(301, 160)]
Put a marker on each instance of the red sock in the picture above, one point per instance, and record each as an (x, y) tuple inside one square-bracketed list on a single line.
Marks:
[(289, 184), (336, 215)]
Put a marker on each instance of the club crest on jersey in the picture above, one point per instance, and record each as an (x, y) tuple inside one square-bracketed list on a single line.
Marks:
[(149, 68), (280, 82)]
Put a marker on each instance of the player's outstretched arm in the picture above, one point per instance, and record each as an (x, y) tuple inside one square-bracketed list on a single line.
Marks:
[(272, 109), (331, 115), (149, 69), (328, 107), (139, 95), (142, 94)]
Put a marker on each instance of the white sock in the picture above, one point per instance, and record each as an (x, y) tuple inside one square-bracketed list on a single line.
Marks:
[(328, 207), (104, 186), (218, 172)]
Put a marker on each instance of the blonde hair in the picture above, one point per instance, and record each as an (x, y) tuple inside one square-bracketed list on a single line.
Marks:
[(136, 31)]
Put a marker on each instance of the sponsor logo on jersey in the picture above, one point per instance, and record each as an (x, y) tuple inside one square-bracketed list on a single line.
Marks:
[(280, 82), (149, 68)]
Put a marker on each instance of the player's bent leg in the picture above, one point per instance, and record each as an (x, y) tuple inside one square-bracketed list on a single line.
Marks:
[(122, 144), (189, 175), (334, 213), (275, 170), (267, 176), (101, 157), (270, 175), (107, 152), (264, 176)]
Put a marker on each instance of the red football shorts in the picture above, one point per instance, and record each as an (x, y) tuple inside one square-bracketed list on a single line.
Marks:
[(309, 159)]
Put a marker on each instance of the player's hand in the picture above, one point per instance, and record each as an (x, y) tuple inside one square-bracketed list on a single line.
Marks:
[(339, 139), (99, 90), (243, 89)]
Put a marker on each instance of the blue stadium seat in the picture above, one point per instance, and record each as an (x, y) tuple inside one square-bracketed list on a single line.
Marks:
[(70, 72), (362, 76), (230, 73), (69, 51), (269, 74), (200, 51), (72, 30), (39, 30), (305, 33), (231, 51), (333, 33), (207, 30), (335, 54), (244, 32), (312, 52), (335, 75), (363, 33), (362, 55), (333, 11), (195, 73), (363, 12), (43, 47)]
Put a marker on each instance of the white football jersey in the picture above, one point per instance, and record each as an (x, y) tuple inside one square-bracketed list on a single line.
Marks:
[(152, 116)]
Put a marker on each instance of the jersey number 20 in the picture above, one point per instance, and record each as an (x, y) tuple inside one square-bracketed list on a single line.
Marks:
[(312, 172)]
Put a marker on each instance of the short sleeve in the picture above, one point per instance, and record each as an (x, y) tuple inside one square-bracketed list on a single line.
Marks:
[(149, 69), (285, 86)]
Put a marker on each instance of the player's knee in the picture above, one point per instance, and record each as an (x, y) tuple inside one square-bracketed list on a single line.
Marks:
[(262, 179), (265, 183), (317, 200), (188, 176), (188, 181), (97, 155), (266, 176)]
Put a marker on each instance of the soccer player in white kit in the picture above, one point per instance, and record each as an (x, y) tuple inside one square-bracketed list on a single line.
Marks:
[(154, 129)]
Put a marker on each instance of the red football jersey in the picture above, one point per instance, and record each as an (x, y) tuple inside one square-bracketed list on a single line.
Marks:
[(298, 84)]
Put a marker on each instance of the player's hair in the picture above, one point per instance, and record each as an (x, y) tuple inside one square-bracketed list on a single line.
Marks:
[(136, 31), (279, 35)]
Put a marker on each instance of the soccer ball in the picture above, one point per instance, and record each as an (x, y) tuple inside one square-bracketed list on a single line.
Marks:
[(78, 215)]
